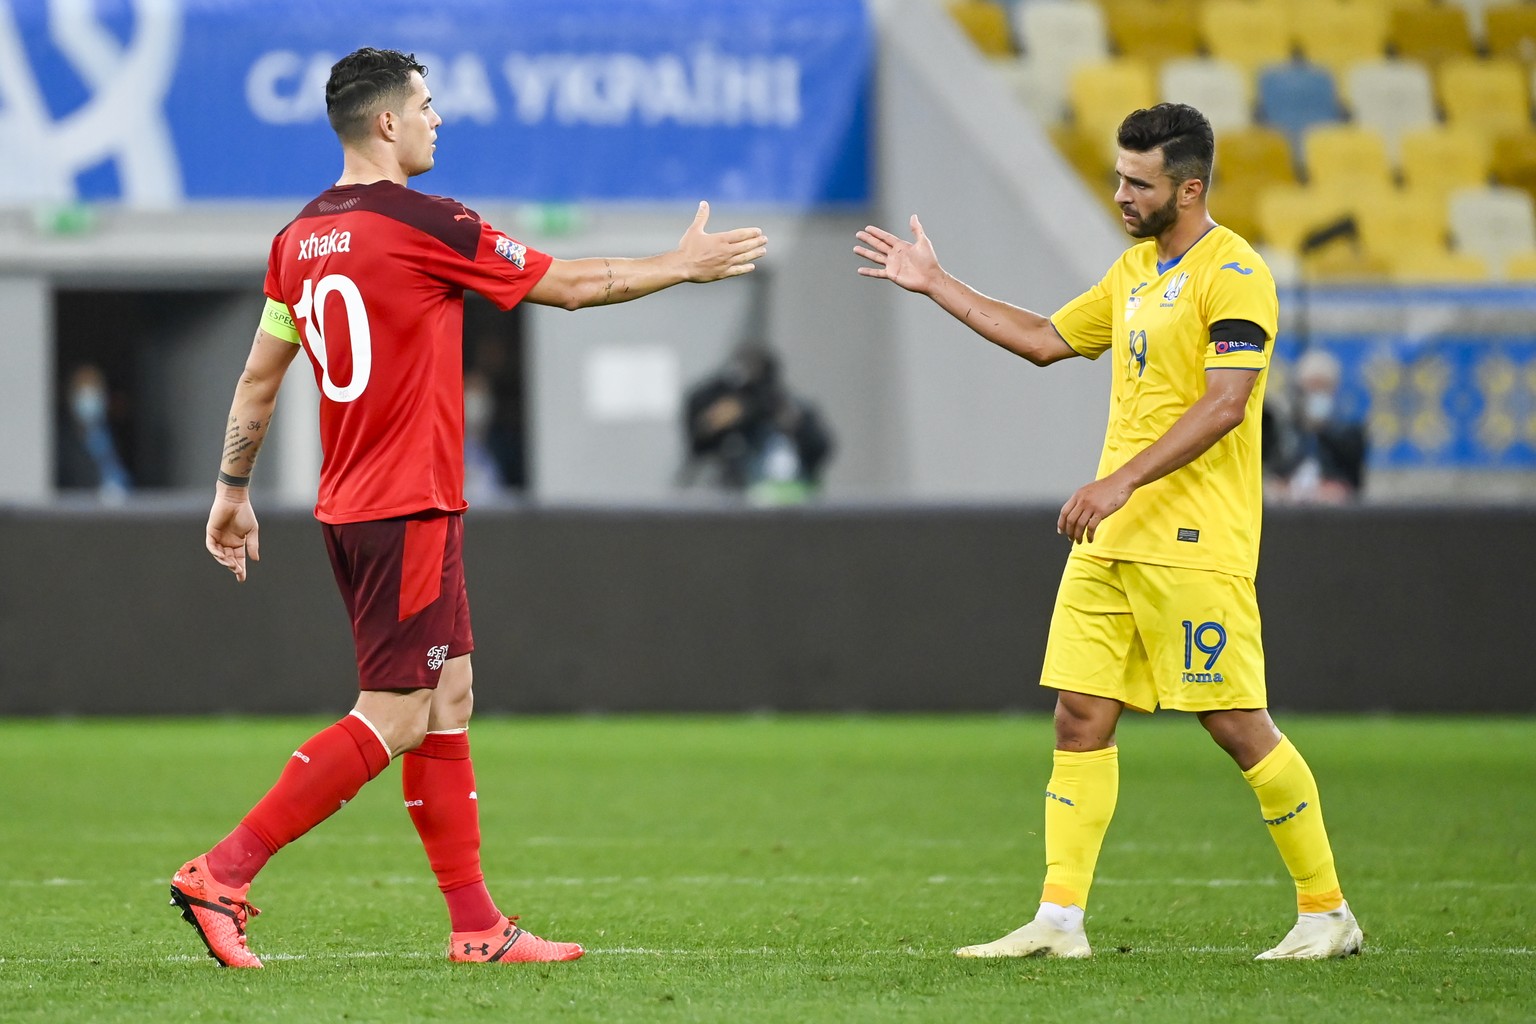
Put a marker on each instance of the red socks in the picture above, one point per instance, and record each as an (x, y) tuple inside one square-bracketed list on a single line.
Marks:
[(438, 779), (325, 772)]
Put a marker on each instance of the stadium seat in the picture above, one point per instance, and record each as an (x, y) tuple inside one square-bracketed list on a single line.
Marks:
[(1488, 95), (1250, 35), (1444, 159), (1393, 97), (1510, 31), (1514, 160), (1494, 223), (1430, 34), (986, 23), (1521, 267), (1296, 95), (1346, 155), (1475, 11), (1087, 155), (1064, 32), (1102, 94), (1335, 34), (1289, 214), (1154, 30), (1056, 37), (1219, 89), (1391, 222), (1436, 266), (1248, 161)]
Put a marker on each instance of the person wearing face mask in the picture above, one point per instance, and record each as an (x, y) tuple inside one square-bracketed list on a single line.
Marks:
[(1326, 461), (89, 457)]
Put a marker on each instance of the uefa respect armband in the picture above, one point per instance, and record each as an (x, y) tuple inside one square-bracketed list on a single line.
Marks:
[(278, 322)]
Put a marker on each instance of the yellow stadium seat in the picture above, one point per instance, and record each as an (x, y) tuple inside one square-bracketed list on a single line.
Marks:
[(1514, 160), (1289, 214), (1336, 34), (1250, 35), (1248, 161), (1436, 266), (987, 25), (1430, 34), (1486, 95), (1153, 30), (1346, 155), (1510, 31), (1102, 94), (1087, 156), (1392, 221), (1444, 159), (1521, 267)]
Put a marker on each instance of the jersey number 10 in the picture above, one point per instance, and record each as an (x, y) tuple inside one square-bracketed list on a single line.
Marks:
[(311, 310)]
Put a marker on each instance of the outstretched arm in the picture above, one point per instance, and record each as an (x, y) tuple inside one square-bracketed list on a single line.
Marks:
[(700, 257), (1222, 407), (914, 266), (232, 527)]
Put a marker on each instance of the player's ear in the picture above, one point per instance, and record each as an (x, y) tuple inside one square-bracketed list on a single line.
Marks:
[(387, 124)]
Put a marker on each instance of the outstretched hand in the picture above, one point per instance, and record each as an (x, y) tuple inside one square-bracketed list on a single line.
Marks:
[(710, 257), (232, 533), (912, 265)]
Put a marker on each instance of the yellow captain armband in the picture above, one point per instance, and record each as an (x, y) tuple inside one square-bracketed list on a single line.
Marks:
[(278, 322)]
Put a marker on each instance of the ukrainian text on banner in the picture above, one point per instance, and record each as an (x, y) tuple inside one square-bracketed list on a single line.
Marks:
[(155, 102)]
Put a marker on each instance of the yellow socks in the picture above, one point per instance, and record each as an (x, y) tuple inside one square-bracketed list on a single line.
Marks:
[(1289, 802), (1079, 802)]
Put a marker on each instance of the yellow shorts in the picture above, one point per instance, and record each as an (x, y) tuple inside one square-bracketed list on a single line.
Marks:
[(1149, 635)]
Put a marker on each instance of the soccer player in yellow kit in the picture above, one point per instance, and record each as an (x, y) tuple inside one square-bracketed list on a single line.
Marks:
[(1156, 605)]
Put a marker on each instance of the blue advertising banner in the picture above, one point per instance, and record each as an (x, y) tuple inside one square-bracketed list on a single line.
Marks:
[(156, 102), (1444, 378)]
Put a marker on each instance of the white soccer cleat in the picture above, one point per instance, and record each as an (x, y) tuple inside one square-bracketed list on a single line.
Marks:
[(1319, 937), (1041, 937)]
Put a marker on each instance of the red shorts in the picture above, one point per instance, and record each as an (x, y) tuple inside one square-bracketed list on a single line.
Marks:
[(403, 584)]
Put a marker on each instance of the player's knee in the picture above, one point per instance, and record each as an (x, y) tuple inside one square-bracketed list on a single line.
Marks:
[(1085, 723)]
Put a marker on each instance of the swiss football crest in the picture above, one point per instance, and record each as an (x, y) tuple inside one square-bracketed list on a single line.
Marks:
[(512, 252)]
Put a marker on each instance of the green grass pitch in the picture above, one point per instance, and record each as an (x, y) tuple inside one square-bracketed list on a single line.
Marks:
[(774, 869)]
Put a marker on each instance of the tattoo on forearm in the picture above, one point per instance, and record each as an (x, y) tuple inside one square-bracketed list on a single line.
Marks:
[(608, 288), (241, 444)]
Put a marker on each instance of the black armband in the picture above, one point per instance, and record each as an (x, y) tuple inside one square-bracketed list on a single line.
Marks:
[(1244, 333)]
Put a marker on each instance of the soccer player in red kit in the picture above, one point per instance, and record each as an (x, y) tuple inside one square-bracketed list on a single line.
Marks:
[(369, 280)]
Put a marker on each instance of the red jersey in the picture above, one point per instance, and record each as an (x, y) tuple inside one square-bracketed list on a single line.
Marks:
[(374, 276)]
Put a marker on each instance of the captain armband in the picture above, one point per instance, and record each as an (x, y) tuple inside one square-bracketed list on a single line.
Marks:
[(277, 321)]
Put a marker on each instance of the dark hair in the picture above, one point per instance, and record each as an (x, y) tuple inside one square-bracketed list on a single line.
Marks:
[(1181, 131), (364, 82)]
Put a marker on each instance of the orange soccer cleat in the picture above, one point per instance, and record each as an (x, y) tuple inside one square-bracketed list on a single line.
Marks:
[(506, 943), (217, 911)]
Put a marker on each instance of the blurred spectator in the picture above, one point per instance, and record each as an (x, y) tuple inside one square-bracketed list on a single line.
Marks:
[(482, 470), (87, 451), (747, 433), (1314, 454)]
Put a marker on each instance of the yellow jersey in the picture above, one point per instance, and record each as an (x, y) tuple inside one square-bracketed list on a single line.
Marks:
[(1157, 318)]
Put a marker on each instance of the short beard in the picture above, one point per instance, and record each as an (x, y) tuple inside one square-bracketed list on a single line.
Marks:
[(1158, 221)]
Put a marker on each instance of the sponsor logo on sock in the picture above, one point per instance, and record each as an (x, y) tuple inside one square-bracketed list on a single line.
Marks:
[(474, 795), (301, 756), (1287, 817), (415, 803), (1059, 799)]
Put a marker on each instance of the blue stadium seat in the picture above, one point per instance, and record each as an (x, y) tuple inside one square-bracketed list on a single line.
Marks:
[(1296, 95)]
